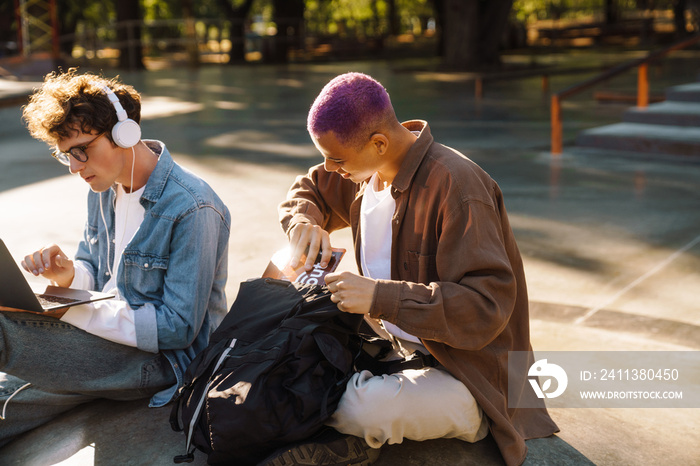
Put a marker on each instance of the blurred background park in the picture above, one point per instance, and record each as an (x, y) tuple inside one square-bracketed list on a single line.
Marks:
[(462, 35), (608, 227)]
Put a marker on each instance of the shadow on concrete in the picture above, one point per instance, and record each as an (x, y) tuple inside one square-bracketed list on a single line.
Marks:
[(137, 436), (588, 224)]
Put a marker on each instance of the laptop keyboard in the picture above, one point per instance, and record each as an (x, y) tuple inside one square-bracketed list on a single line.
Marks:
[(47, 300)]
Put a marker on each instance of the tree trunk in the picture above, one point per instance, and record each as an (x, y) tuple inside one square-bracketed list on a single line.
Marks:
[(393, 16), (192, 45), (493, 21), (68, 18), (611, 13), (129, 21), (461, 32), (237, 17), (679, 7), (289, 18), (439, 9), (472, 32)]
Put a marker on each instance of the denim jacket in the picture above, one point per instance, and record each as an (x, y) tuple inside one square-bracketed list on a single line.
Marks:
[(173, 272)]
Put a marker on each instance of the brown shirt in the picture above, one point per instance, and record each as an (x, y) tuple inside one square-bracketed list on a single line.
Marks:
[(457, 275)]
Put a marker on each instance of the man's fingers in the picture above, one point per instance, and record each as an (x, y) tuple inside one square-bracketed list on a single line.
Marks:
[(46, 256), (299, 242), (309, 239), (61, 260), (314, 245), (331, 278), (28, 265), (326, 251), (40, 261)]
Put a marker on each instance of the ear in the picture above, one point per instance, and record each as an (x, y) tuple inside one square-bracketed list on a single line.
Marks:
[(380, 143)]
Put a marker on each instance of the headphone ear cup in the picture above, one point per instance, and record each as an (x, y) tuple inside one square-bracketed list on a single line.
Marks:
[(126, 133)]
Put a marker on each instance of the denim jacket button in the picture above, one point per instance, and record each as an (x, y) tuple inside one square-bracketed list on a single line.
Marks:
[(145, 265)]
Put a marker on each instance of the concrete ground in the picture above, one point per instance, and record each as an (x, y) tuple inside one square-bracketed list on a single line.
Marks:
[(610, 241)]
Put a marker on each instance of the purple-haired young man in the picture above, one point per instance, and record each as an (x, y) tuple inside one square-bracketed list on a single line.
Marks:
[(440, 272)]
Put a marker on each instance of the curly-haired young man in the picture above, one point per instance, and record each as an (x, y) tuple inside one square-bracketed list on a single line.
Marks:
[(156, 237), (440, 272)]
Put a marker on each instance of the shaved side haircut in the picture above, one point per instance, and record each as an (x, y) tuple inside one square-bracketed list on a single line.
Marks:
[(353, 106)]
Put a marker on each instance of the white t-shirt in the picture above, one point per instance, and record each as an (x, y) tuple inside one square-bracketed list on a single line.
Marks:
[(111, 319), (376, 212), (128, 216)]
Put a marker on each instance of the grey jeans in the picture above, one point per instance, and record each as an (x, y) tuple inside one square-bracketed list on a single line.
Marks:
[(48, 367)]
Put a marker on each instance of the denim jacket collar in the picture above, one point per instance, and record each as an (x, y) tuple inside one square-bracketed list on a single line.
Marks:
[(159, 177), (157, 180)]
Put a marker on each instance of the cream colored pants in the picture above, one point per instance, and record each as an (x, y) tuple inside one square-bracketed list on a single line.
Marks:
[(418, 405)]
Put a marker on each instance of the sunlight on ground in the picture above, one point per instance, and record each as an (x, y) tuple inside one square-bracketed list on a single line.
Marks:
[(83, 457), (159, 107), (258, 141)]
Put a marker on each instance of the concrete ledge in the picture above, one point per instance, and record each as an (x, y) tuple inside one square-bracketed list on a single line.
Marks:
[(646, 138), (102, 432), (131, 434), (684, 92), (666, 113)]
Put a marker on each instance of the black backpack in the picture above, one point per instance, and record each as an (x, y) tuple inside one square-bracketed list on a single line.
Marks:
[(272, 375)]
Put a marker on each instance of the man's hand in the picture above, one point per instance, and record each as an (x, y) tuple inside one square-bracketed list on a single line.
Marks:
[(353, 293), (309, 239), (51, 263)]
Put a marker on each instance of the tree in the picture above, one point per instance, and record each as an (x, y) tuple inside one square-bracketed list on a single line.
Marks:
[(8, 30), (471, 31), (393, 17), (679, 7), (129, 20), (237, 15), (288, 15), (190, 33), (612, 13)]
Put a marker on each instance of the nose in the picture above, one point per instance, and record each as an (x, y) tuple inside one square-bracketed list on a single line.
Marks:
[(330, 166), (75, 165)]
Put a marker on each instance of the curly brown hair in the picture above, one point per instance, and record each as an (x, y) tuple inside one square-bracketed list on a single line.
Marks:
[(68, 102)]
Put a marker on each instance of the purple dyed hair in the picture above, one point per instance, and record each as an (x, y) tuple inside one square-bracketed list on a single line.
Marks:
[(353, 106)]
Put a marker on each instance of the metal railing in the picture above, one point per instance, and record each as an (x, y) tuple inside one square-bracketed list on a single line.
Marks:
[(642, 86)]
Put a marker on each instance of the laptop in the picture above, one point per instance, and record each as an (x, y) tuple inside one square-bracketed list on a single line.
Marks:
[(16, 292)]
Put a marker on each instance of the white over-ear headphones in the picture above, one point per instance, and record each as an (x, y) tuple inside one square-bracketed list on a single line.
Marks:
[(126, 133)]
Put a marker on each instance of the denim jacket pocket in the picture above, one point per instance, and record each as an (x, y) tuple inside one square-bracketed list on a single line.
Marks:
[(148, 270)]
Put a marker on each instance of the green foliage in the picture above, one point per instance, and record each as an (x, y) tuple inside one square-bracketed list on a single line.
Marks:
[(161, 9), (532, 10), (366, 17), (92, 13)]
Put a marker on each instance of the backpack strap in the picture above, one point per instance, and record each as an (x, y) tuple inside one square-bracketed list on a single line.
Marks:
[(374, 363), (189, 456), (417, 360)]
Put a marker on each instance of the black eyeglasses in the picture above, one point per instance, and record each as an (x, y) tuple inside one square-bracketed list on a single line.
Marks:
[(77, 152)]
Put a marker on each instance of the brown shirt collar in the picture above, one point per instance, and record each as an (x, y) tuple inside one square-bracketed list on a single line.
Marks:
[(414, 156)]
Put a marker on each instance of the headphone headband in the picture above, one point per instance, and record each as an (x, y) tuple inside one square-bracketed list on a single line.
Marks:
[(121, 113)]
